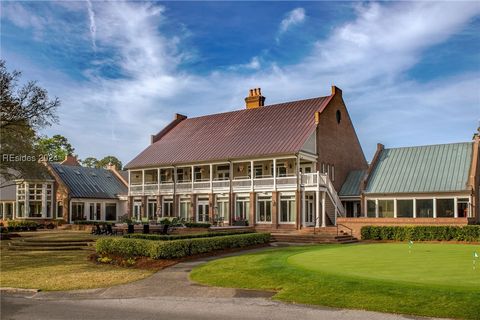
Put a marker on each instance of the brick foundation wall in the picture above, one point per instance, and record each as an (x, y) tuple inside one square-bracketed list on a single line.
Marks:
[(356, 224)]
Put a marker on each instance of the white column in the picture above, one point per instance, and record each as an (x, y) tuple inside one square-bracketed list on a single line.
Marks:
[(211, 177), (302, 192), (129, 173), (376, 208), (69, 218), (434, 207), (395, 208), (27, 200), (274, 174), (143, 182), (192, 176), (324, 215), (4, 208), (252, 173), (317, 207), (365, 213), (44, 200), (455, 211), (414, 207), (158, 180)]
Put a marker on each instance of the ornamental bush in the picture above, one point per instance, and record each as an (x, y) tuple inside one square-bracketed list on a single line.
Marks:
[(185, 236), (470, 233), (130, 247), (197, 225)]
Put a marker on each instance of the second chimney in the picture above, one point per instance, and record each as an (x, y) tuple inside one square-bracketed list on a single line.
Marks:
[(254, 99)]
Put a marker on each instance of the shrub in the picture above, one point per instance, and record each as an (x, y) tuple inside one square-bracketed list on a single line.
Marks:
[(197, 225), (470, 233), (129, 247), (185, 236)]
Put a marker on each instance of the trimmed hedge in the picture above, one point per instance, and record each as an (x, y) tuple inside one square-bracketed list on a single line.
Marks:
[(469, 233), (197, 225), (185, 236), (128, 247)]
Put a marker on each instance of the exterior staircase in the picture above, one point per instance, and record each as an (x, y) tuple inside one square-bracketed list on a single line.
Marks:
[(307, 235), (50, 245)]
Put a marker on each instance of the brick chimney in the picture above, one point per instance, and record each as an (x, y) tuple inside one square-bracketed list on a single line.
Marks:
[(70, 160), (254, 99)]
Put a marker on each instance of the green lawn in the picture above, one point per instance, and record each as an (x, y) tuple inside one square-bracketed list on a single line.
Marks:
[(60, 270), (431, 280)]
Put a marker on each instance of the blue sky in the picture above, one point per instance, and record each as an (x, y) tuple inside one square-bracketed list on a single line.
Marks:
[(409, 71)]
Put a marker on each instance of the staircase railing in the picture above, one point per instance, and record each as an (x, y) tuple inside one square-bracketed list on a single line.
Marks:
[(349, 229), (333, 195)]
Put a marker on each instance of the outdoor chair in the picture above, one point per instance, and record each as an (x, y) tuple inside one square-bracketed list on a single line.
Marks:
[(146, 229), (97, 230), (109, 230), (131, 228)]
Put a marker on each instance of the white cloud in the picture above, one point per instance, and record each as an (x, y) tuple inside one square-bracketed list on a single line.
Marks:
[(294, 17), (366, 57), (93, 27)]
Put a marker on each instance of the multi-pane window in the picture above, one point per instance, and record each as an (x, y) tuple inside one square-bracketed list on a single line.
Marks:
[(281, 170), (424, 208), (242, 207), (95, 211), (223, 172), (78, 212), (264, 208), (445, 208), (385, 209), (166, 175), (258, 171), (287, 208), (405, 208), (223, 208), (371, 209), (184, 207), (152, 209), (183, 174), (59, 210), (110, 211), (167, 207)]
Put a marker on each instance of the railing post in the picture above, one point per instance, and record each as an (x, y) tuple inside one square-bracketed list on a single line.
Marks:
[(252, 172), (274, 174), (192, 175), (211, 178)]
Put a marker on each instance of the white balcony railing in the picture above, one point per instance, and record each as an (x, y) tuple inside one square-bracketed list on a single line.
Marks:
[(238, 184)]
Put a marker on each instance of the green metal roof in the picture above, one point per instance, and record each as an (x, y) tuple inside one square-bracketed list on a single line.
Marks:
[(434, 168), (351, 186)]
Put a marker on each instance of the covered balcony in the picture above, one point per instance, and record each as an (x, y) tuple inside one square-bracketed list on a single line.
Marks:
[(237, 176)]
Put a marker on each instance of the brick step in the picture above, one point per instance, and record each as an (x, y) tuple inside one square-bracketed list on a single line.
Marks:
[(37, 240), (48, 244), (313, 238), (68, 248)]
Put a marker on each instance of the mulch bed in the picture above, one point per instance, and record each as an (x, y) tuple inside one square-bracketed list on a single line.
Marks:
[(153, 264)]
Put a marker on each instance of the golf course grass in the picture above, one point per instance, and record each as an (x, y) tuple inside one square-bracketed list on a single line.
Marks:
[(427, 279)]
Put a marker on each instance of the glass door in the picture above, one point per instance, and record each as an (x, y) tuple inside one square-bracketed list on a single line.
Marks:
[(137, 215), (309, 210), (202, 211)]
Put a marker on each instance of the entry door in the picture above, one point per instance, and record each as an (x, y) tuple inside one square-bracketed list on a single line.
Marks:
[(202, 211), (309, 210), (137, 213)]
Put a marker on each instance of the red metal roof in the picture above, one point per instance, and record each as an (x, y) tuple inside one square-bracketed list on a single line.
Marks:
[(269, 130)]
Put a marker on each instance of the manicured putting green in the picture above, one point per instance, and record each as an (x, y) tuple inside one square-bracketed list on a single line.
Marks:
[(432, 264), (430, 279)]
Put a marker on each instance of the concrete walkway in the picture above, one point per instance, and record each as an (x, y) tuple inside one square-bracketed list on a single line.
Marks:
[(169, 294)]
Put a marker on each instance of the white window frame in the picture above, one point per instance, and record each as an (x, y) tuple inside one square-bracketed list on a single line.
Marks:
[(263, 198), (291, 197)]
